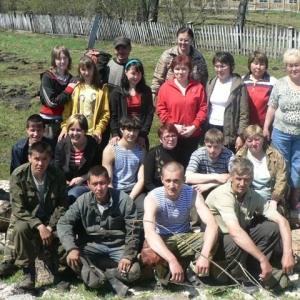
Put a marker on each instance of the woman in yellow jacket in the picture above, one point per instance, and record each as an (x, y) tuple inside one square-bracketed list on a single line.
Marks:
[(89, 98)]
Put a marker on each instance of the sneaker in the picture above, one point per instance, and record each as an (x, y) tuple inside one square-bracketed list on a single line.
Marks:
[(7, 268), (28, 282)]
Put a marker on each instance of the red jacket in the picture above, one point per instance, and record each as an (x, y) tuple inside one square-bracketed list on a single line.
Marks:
[(173, 107)]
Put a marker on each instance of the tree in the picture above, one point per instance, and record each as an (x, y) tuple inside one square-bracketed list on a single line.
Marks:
[(184, 11), (153, 10), (241, 15)]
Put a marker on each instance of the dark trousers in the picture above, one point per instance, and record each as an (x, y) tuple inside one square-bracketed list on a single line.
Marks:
[(187, 146), (28, 244), (264, 234)]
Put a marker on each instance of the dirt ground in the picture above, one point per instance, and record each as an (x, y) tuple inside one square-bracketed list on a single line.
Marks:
[(19, 95)]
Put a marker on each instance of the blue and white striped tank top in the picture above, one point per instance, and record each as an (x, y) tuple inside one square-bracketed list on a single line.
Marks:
[(174, 215), (126, 167)]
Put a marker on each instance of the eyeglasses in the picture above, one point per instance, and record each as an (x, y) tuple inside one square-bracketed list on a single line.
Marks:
[(169, 136), (220, 66)]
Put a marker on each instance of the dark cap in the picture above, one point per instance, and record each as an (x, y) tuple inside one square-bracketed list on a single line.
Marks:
[(122, 41)]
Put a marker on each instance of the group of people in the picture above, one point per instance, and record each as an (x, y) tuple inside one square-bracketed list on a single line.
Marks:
[(86, 191)]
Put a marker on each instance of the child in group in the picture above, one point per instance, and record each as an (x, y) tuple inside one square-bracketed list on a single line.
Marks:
[(89, 98), (57, 86), (209, 165), (134, 98)]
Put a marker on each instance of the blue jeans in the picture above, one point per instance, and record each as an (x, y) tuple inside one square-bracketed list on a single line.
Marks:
[(77, 191), (289, 146)]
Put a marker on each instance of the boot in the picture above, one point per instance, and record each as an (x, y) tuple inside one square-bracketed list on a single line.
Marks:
[(28, 282), (293, 198), (120, 288), (61, 279), (7, 268)]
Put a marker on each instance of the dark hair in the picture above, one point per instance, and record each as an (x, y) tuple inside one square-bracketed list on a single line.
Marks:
[(97, 170), (87, 62), (35, 118), (261, 57), (166, 127), (138, 67), (181, 59), (187, 30), (55, 53), (80, 119), (131, 122), (40, 147), (225, 58)]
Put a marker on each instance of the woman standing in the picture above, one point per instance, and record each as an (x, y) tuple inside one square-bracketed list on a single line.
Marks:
[(163, 71), (182, 102), (269, 165), (89, 98), (76, 154), (56, 90), (132, 98), (227, 101), (259, 85), (284, 109)]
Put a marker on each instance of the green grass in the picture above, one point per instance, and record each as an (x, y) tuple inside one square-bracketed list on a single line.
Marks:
[(34, 50)]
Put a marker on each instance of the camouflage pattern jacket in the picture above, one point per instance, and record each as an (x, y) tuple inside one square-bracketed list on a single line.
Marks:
[(163, 72), (25, 197)]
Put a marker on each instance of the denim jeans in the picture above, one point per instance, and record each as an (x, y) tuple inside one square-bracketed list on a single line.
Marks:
[(77, 191), (289, 146)]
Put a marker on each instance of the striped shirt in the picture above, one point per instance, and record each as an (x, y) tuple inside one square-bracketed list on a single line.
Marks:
[(174, 215), (201, 163), (75, 158), (126, 167)]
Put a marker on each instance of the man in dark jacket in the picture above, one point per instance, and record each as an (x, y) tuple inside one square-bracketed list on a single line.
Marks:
[(35, 128), (39, 198), (100, 235)]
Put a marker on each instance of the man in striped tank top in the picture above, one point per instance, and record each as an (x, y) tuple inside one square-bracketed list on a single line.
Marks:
[(124, 162), (167, 228)]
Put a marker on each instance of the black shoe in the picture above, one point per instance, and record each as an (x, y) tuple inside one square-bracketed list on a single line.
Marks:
[(7, 268), (119, 287), (249, 287), (28, 282), (193, 278)]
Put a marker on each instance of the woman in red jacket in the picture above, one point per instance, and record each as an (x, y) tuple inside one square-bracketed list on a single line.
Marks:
[(182, 102)]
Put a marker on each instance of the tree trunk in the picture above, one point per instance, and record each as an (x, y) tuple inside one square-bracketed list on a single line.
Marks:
[(241, 15), (142, 11), (153, 11)]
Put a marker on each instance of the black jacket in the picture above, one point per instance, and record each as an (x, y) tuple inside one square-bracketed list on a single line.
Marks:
[(92, 156), (118, 110)]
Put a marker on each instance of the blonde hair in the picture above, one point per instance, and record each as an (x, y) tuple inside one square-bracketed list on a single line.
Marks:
[(252, 130), (291, 56), (80, 119)]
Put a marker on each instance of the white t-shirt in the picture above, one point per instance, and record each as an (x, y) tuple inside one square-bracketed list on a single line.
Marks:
[(218, 100)]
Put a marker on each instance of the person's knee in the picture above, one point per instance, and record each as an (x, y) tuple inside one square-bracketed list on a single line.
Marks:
[(21, 227), (134, 273)]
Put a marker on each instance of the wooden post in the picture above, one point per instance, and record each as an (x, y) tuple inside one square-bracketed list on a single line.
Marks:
[(291, 41), (93, 34)]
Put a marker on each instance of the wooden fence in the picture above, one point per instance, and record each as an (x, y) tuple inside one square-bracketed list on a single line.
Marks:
[(273, 40)]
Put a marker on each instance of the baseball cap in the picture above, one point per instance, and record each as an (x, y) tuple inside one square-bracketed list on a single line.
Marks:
[(122, 41)]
